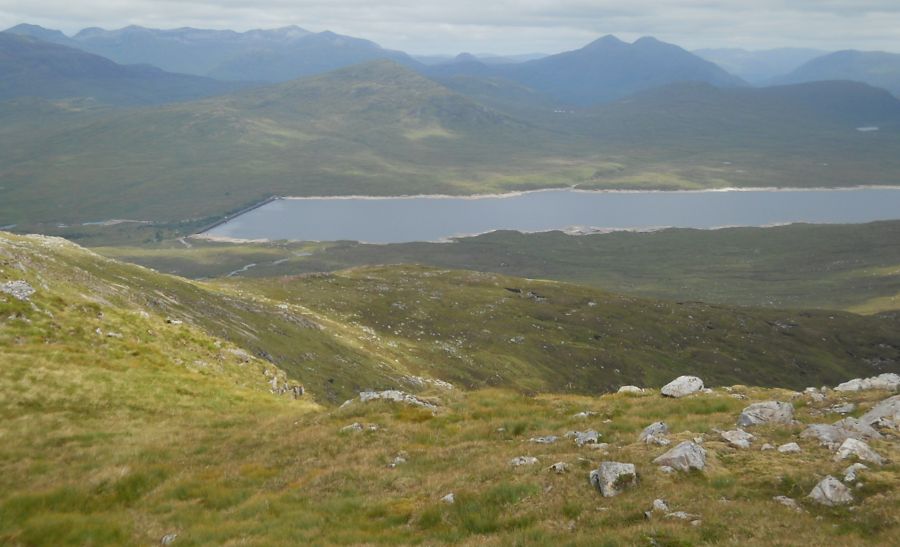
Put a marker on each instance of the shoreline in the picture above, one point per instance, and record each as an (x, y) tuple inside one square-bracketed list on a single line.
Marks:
[(574, 231), (515, 193)]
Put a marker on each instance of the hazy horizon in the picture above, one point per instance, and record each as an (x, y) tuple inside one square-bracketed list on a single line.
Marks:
[(501, 28)]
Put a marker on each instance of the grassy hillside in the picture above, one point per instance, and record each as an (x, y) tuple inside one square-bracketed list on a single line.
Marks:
[(123, 426), (851, 267)]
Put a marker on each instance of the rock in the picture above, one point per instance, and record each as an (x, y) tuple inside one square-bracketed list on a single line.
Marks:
[(851, 472), (681, 386), (827, 435), (857, 429), (888, 381), (660, 505), (171, 321), (168, 539), (396, 396), (767, 446), (738, 438), (859, 449), (613, 477), (656, 429), (789, 448), (666, 469), (352, 428), (20, 290), (884, 415), (584, 437), (559, 468), (684, 457), (845, 408), (398, 460), (449, 498), (681, 515), (547, 439), (519, 461), (633, 390), (599, 446), (788, 502), (585, 414), (831, 492), (766, 413)]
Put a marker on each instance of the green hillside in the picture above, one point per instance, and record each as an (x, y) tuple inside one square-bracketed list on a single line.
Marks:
[(123, 425)]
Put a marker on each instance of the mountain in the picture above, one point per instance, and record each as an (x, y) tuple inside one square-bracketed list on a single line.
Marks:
[(759, 67), (34, 68), (875, 68), (44, 34), (376, 128), (275, 55), (309, 55), (603, 71)]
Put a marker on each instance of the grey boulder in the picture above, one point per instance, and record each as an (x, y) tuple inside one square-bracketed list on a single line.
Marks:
[(684, 457), (611, 478), (682, 386), (768, 412), (831, 492)]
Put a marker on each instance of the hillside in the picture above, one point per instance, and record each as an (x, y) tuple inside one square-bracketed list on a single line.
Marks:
[(33, 68), (849, 267), (876, 68), (273, 55), (761, 66), (372, 129), (125, 425), (602, 71)]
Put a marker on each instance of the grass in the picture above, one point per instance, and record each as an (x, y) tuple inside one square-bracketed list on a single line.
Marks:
[(850, 267), (165, 428)]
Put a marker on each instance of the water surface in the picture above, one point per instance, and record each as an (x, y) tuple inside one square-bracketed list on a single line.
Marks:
[(437, 218)]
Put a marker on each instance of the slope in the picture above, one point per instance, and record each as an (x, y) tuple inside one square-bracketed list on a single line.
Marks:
[(760, 66), (371, 129), (876, 68), (33, 68)]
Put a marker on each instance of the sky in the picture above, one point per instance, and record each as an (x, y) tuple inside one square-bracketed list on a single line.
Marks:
[(502, 26)]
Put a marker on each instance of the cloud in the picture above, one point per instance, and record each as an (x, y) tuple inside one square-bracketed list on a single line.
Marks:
[(502, 26)]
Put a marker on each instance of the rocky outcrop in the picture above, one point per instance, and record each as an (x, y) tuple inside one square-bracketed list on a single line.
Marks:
[(682, 386), (396, 396), (611, 478), (858, 449), (884, 415), (20, 290), (768, 412), (888, 381), (684, 457), (831, 492)]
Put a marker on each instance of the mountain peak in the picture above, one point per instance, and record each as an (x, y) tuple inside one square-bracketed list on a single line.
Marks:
[(606, 41)]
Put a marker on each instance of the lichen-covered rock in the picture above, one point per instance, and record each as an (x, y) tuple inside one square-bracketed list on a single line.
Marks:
[(767, 412), (860, 450), (584, 437), (519, 461), (611, 478), (632, 390), (559, 468), (682, 386), (852, 472), (831, 492), (396, 396), (888, 381), (738, 438), (684, 457), (652, 431), (20, 290)]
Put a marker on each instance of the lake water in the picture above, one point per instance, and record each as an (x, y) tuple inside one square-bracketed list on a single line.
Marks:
[(436, 218)]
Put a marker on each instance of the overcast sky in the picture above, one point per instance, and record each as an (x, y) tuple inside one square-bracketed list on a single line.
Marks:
[(502, 26)]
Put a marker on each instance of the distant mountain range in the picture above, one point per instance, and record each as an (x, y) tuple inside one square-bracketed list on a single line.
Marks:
[(875, 68), (759, 67), (35, 68), (276, 55), (602, 71)]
